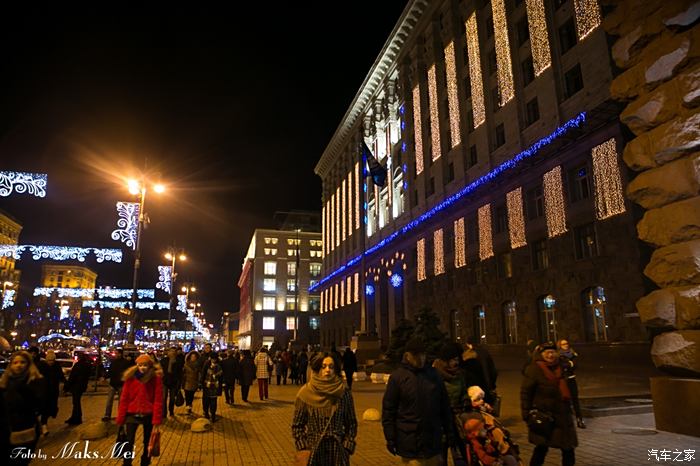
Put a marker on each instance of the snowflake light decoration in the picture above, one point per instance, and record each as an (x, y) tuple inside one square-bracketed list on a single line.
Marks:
[(396, 280), (61, 253), (8, 299), (20, 183), (165, 278), (127, 224)]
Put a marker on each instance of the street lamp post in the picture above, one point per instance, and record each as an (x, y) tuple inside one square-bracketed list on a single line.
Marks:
[(173, 255), (187, 287), (5, 286)]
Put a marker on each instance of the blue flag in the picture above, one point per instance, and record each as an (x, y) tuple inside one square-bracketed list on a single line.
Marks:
[(376, 170)]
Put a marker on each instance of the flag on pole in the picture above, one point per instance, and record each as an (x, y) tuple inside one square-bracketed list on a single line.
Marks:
[(375, 169)]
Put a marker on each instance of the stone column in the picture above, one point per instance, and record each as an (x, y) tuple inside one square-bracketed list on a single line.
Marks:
[(657, 48)]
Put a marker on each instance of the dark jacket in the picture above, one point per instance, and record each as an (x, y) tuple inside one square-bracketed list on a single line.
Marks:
[(349, 362), (231, 370), (415, 412), (116, 371), (79, 377), (247, 371), (211, 379), (172, 378), (538, 392), (53, 378), (24, 399)]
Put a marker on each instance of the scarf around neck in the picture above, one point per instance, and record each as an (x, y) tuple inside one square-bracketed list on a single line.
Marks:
[(322, 393), (555, 377)]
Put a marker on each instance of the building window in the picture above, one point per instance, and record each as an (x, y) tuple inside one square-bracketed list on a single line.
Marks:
[(505, 265), (579, 184), (523, 31), (315, 269), (585, 241), (535, 203), (270, 252), (270, 240), (269, 284), (480, 323), (528, 70), (268, 323), (315, 242), (313, 282), (270, 268), (314, 304), (291, 284), (314, 253), (291, 303), (573, 80), (567, 36), (500, 219), (313, 323), (290, 323), (500, 136), (293, 242), (291, 268), (291, 252), (269, 303), (510, 320), (594, 304), (533, 111), (540, 257), (548, 318)]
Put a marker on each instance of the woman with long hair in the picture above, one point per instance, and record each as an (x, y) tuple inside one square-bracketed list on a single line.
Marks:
[(324, 425)]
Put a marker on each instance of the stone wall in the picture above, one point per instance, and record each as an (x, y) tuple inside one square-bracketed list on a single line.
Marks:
[(657, 51)]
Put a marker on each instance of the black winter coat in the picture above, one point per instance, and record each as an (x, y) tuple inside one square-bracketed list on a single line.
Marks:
[(78, 378), (53, 377), (538, 392), (247, 371), (116, 371), (231, 370), (172, 379), (349, 362), (23, 401), (416, 412)]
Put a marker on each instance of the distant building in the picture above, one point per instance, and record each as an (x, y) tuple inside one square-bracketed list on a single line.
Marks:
[(10, 229), (67, 276), (277, 271), (503, 208)]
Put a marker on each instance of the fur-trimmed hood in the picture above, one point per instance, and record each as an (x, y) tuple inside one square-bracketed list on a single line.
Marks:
[(131, 372), (33, 371)]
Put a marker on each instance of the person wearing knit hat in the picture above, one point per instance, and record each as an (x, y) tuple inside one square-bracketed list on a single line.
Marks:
[(489, 443)]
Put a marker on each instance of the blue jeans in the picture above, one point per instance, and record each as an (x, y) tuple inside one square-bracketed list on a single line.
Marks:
[(110, 399)]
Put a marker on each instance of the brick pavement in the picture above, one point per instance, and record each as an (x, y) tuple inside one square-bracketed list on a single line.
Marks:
[(259, 433)]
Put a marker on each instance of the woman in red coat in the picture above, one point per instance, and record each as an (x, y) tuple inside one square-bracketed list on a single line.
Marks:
[(141, 403)]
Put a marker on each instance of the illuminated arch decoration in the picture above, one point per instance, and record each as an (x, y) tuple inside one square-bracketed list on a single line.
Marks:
[(21, 182), (61, 253), (165, 278), (181, 303), (8, 299), (127, 225), (448, 202), (160, 305), (102, 293)]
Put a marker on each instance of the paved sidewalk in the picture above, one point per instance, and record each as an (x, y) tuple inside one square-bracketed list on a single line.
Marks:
[(259, 434)]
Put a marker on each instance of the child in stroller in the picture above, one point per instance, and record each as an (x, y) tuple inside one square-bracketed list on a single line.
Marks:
[(487, 442)]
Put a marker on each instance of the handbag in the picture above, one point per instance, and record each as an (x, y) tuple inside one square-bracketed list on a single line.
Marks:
[(540, 422), (120, 445), (179, 399), (22, 437), (154, 444)]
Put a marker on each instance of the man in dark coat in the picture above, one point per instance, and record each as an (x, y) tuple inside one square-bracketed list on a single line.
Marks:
[(77, 385), (230, 368), (544, 389), (53, 379), (172, 380), (247, 374), (415, 409), (488, 368), (349, 365), (116, 370)]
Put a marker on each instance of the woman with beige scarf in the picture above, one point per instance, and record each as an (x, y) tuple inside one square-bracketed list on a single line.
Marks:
[(324, 425)]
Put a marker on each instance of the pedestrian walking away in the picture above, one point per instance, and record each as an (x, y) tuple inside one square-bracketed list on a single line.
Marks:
[(211, 386), (230, 368), (545, 402), (447, 367), (415, 410), (324, 426), (567, 357), (349, 365), (23, 398), (262, 372), (117, 367), (172, 380), (141, 403), (303, 367), (53, 377), (247, 374), (77, 385), (488, 368), (190, 379)]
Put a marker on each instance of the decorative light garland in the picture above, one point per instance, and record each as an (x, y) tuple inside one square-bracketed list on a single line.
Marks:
[(61, 253), (438, 253), (337, 217), (128, 223), (539, 37), (160, 305), (8, 299), (576, 122), (323, 301), (420, 257), (554, 203), (348, 289), (485, 234), (609, 198), (516, 219), (102, 293), (460, 244), (331, 223), (356, 286), (396, 280), (587, 17), (343, 207), (477, 85), (357, 195), (434, 113), (452, 95), (182, 303), (417, 129), (335, 296), (342, 293), (369, 290), (324, 230), (165, 278), (349, 205), (21, 182), (504, 66)]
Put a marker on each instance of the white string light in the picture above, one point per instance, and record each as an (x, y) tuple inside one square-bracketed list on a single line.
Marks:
[(420, 256), (554, 203), (342, 292), (477, 86), (61, 253), (516, 219), (539, 37), (609, 198), (165, 278), (350, 203), (160, 305), (336, 296), (587, 17), (343, 207), (348, 289), (452, 94), (504, 67), (102, 293), (324, 229), (417, 129), (21, 182), (460, 244), (357, 195), (127, 225), (485, 235), (8, 299), (356, 286), (438, 252), (331, 224), (434, 113), (337, 217)]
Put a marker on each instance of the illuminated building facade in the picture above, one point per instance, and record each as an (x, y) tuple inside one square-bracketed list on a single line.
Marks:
[(9, 235), (278, 270), (524, 206)]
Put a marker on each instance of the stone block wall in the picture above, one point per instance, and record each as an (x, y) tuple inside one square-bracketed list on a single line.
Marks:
[(657, 50)]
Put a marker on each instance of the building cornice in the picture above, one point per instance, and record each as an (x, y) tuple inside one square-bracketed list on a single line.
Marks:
[(377, 74)]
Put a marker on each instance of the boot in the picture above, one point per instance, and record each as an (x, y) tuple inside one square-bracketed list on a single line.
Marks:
[(580, 423)]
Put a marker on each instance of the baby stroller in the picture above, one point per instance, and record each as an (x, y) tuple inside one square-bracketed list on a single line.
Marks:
[(493, 441)]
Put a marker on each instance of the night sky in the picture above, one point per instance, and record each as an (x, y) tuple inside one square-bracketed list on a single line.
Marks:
[(232, 108)]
